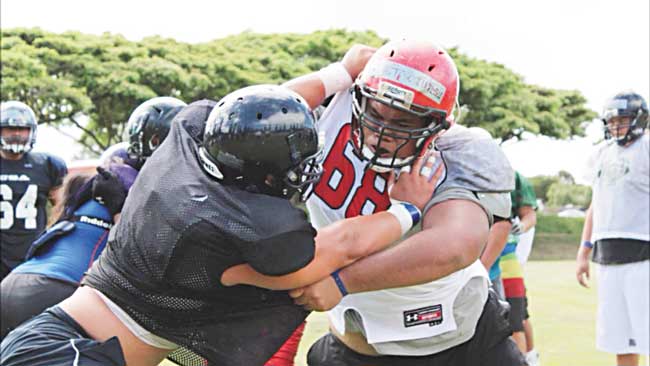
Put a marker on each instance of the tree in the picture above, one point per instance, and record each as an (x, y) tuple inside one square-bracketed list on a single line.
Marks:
[(94, 82), (561, 194), (565, 177), (541, 185), (498, 100)]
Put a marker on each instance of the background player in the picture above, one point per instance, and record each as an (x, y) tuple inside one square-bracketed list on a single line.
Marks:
[(58, 259), (617, 227), (523, 218), (27, 181)]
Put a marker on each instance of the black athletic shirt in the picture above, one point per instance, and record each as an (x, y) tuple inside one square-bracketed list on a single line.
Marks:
[(24, 188), (179, 230)]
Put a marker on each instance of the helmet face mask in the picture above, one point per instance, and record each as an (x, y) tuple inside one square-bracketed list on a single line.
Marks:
[(387, 144), (16, 116), (625, 117), (418, 79), (299, 180), (263, 139), (617, 127), (149, 125)]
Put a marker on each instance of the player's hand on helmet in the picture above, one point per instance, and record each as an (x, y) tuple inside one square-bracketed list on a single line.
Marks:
[(108, 190), (582, 270), (416, 183), (517, 227), (356, 58), (320, 296)]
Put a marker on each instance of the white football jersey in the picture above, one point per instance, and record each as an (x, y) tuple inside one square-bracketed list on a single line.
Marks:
[(620, 179), (347, 189)]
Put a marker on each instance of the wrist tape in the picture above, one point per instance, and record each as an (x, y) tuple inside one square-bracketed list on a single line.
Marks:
[(335, 78), (406, 213)]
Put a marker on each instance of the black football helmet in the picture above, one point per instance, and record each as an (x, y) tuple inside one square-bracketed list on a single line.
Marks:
[(149, 125), (626, 104), (18, 115), (262, 138)]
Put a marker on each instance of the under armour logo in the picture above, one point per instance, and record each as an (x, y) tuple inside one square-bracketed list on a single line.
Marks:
[(431, 315), (412, 317)]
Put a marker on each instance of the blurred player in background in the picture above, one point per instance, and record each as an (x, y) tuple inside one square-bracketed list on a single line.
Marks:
[(617, 230), (28, 180)]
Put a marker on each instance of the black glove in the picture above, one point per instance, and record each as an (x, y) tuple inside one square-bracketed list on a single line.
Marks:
[(108, 190)]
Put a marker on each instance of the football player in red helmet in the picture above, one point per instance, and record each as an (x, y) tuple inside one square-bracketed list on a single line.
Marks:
[(425, 300)]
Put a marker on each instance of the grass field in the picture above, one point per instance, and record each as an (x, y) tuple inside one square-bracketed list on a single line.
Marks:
[(563, 316)]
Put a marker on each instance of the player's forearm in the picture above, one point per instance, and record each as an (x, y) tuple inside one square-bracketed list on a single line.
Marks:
[(337, 245), (588, 225), (453, 242), (336, 77), (497, 240), (309, 87), (585, 251), (419, 260)]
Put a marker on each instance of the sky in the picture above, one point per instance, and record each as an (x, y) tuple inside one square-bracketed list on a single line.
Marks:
[(596, 47)]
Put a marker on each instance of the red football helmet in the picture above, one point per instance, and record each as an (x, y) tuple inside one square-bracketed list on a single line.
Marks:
[(411, 76)]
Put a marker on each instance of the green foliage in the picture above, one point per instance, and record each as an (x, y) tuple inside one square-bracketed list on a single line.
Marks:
[(498, 100), (561, 194), (560, 190), (559, 225), (94, 82), (541, 184)]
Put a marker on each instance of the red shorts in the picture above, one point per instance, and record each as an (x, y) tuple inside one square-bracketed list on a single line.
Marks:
[(285, 355)]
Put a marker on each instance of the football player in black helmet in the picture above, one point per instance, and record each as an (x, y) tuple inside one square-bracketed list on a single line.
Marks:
[(211, 211), (18, 124), (269, 147), (27, 181), (149, 124), (616, 231), (625, 117)]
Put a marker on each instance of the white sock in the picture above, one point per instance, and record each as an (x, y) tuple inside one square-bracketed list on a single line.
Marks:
[(532, 358)]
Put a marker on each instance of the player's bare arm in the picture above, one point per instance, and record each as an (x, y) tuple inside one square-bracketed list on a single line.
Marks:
[(336, 246), (452, 237), (497, 240), (346, 241), (582, 259), (313, 89)]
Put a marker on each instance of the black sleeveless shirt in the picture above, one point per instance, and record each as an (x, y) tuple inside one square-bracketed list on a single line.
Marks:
[(179, 230)]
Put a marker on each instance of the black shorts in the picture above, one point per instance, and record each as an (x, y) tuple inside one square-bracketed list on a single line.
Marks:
[(517, 312), (53, 338), (490, 346), (25, 295), (526, 315)]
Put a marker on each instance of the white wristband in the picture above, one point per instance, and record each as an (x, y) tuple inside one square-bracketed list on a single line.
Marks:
[(407, 214), (335, 78)]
